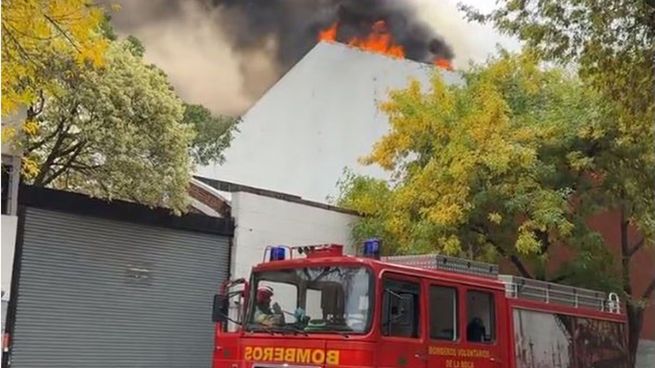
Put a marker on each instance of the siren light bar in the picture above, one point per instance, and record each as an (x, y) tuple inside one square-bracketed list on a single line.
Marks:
[(274, 253), (372, 248), (277, 253)]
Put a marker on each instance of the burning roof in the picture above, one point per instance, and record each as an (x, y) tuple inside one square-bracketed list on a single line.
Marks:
[(378, 40)]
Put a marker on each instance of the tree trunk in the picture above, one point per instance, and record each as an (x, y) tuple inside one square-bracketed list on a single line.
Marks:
[(634, 311), (635, 323)]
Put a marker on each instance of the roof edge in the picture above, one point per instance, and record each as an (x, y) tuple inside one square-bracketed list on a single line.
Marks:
[(226, 186)]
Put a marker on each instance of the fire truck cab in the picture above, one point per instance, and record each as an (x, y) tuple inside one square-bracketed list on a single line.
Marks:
[(312, 306)]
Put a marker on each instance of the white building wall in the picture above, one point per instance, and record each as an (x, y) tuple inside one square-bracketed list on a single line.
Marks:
[(321, 117), (9, 226), (262, 221)]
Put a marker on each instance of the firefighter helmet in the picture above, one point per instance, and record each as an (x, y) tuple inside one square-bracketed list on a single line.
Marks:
[(264, 294)]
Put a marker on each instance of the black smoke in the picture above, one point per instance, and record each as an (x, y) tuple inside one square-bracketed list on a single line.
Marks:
[(225, 54), (295, 25)]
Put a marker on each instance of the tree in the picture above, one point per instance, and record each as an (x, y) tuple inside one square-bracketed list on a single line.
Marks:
[(213, 134), (612, 45), (508, 165), (33, 32), (115, 132), (99, 119)]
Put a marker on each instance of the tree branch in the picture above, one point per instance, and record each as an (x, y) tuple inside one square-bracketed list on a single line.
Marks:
[(52, 156), (649, 290), (19, 47), (37, 145), (625, 258), (71, 148), (637, 246), (62, 134), (519, 265), (65, 166), (63, 33), (561, 277), (545, 241), (516, 261), (80, 166), (36, 109)]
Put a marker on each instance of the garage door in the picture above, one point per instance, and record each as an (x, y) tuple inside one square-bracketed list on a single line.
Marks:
[(103, 293)]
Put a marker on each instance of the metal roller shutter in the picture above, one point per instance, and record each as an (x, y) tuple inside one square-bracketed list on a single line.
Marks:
[(103, 293)]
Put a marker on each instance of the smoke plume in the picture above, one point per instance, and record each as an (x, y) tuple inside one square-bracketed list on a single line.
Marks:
[(243, 46), (295, 25)]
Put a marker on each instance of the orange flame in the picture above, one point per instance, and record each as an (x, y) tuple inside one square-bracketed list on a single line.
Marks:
[(379, 41), (328, 34), (443, 63)]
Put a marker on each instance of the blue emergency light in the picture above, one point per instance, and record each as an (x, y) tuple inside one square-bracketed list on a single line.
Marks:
[(372, 248), (277, 253)]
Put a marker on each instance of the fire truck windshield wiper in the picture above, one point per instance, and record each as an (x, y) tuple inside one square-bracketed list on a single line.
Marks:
[(295, 329), (260, 327)]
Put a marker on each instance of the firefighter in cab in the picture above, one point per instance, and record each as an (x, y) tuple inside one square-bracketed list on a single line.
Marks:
[(264, 313)]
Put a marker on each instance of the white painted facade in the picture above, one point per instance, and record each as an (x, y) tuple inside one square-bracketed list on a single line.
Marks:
[(9, 220), (262, 220), (8, 233), (321, 117)]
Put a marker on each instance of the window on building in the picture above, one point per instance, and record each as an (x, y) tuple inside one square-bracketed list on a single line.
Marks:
[(481, 317), (443, 313), (401, 308)]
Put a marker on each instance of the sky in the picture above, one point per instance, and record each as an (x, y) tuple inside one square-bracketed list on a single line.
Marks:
[(187, 42)]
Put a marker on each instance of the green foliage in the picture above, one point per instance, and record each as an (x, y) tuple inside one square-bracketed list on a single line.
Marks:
[(611, 43), (369, 197), (114, 132), (214, 134), (33, 31), (135, 46), (99, 119), (508, 165), (477, 168)]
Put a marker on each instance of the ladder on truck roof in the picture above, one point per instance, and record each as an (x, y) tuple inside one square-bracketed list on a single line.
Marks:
[(446, 263), (516, 287)]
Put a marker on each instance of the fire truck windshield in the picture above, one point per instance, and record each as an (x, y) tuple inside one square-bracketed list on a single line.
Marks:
[(332, 299)]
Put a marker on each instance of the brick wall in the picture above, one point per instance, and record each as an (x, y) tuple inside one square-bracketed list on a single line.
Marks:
[(210, 199), (642, 263)]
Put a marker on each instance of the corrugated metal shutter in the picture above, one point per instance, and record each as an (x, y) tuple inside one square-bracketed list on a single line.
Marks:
[(102, 293)]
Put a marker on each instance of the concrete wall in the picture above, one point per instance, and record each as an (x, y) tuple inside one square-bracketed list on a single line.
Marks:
[(646, 354), (262, 221), (8, 232)]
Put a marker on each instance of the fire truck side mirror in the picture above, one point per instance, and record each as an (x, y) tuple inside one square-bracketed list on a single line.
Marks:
[(220, 308)]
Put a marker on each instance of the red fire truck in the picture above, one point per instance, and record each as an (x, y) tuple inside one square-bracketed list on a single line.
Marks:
[(312, 306)]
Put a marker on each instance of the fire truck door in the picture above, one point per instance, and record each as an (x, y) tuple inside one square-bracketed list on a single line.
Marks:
[(402, 342), (482, 344), (444, 335)]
